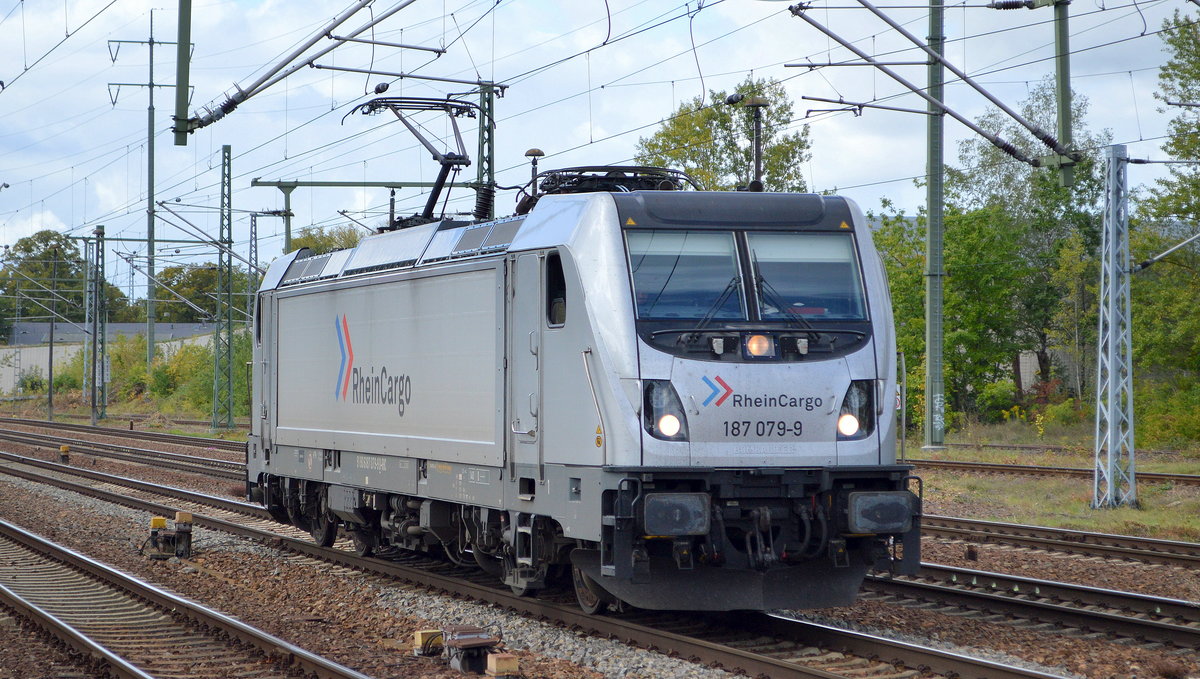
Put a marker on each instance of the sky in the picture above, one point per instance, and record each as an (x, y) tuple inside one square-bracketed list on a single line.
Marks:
[(584, 80)]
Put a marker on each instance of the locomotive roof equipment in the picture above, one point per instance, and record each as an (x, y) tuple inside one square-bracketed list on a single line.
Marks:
[(449, 161)]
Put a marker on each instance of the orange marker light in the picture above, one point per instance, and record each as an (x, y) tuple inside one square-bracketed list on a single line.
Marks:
[(760, 345)]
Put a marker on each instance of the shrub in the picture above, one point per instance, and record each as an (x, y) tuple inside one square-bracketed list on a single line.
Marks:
[(31, 380), (996, 400), (1066, 413), (186, 375), (1167, 412), (162, 384), (66, 381), (127, 366)]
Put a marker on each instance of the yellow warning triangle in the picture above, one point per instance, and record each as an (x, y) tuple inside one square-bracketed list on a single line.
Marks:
[(630, 222), (845, 225), (597, 430)]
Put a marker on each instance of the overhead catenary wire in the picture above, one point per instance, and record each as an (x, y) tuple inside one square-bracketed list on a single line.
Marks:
[(1001, 144), (7, 84), (337, 142), (281, 71), (1043, 136)]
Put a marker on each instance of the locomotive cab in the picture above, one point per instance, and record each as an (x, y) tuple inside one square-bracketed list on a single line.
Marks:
[(766, 460)]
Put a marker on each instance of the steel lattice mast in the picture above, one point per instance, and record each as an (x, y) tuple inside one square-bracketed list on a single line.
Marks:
[(222, 414), (1114, 483)]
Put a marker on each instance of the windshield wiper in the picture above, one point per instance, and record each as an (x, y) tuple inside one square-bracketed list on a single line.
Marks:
[(771, 296), (712, 311)]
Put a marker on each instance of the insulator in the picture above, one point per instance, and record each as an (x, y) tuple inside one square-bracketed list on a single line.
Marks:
[(485, 200), (1010, 4)]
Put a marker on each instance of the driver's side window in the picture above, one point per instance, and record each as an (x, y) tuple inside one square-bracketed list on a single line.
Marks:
[(556, 292)]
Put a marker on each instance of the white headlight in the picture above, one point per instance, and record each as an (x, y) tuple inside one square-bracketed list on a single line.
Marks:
[(668, 425), (848, 425)]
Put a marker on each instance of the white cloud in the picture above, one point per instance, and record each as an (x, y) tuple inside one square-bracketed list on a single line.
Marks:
[(24, 225)]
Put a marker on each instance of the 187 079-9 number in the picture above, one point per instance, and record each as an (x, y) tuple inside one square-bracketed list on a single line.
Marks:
[(763, 428)]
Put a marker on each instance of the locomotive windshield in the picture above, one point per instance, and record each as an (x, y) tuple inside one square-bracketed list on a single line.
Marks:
[(700, 292), (696, 275), (810, 275), (685, 275)]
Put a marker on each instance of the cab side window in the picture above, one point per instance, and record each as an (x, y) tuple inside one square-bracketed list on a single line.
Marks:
[(556, 292)]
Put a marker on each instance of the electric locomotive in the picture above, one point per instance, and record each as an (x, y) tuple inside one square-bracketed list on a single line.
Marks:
[(674, 399)]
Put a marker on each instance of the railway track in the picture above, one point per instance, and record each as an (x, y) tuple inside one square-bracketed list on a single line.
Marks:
[(188, 463), (1148, 550), (129, 628), (756, 644), (157, 437), (1126, 615), (1031, 470), (1128, 547), (140, 417), (1043, 447)]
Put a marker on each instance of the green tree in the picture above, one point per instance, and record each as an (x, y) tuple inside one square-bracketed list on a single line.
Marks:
[(320, 239), (900, 240), (713, 142), (1178, 195), (30, 278), (980, 335), (1166, 327), (981, 306), (196, 283), (1047, 214), (1073, 329)]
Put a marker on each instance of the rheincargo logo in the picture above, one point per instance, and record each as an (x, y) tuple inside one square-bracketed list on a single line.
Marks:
[(343, 334), (728, 390), (367, 386), (720, 394)]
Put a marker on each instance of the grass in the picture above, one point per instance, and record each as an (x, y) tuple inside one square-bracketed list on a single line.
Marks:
[(1167, 511), (1078, 441)]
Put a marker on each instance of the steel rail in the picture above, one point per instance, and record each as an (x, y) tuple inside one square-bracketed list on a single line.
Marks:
[(187, 463), (628, 631), (1064, 603), (203, 616), (1148, 550), (1033, 470), (58, 439), (911, 655), (225, 504), (110, 663), (160, 437)]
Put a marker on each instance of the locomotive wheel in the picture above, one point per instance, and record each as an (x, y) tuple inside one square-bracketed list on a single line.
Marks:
[(489, 564), (297, 518), (279, 514), (364, 542), (324, 527), (590, 596), (519, 590)]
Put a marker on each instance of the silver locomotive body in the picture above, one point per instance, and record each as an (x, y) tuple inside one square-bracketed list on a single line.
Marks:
[(678, 397)]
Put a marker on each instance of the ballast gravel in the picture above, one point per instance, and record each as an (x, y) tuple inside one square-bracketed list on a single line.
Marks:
[(357, 619), (367, 622)]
